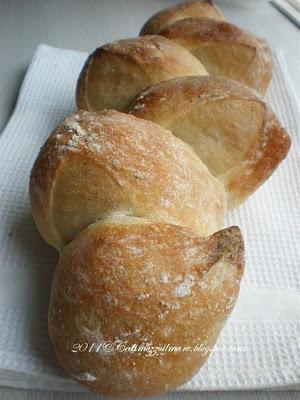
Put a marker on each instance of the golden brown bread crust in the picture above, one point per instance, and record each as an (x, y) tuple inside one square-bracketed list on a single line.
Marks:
[(124, 283), (231, 129), (126, 203), (225, 50), (188, 9), (114, 73), (95, 163)]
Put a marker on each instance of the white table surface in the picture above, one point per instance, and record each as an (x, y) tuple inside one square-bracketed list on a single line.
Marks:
[(84, 25)]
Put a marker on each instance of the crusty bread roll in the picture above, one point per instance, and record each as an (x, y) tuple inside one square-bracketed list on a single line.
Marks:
[(115, 73), (125, 202), (96, 163), (225, 50), (198, 8), (129, 282), (231, 129)]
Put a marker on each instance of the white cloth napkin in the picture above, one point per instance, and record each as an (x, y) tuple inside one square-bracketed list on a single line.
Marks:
[(259, 347)]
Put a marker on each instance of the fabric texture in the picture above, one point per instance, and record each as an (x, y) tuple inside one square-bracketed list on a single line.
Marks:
[(259, 347)]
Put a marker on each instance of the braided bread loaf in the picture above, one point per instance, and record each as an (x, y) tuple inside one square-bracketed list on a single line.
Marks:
[(136, 210)]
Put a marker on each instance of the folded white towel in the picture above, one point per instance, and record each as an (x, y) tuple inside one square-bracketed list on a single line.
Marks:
[(259, 347)]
